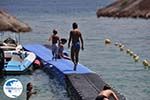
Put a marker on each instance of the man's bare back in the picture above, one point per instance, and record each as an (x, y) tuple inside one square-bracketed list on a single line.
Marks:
[(75, 37)]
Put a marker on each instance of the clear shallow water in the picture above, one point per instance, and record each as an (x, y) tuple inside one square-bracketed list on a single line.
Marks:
[(47, 88), (116, 67)]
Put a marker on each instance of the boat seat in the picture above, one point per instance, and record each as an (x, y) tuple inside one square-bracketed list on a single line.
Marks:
[(15, 61), (16, 58), (13, 64)]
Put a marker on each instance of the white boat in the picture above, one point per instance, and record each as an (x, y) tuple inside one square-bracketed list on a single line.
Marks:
[(13, 59), (16, 62), (8, 44)]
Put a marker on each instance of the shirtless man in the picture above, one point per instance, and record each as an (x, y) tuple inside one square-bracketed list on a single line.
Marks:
[(75, 37), (106, 93), (55, 40)]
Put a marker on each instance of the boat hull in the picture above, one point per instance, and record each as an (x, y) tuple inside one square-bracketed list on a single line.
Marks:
[(19, 64)]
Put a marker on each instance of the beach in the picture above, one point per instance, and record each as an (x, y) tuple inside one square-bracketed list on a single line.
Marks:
[(116, 67)]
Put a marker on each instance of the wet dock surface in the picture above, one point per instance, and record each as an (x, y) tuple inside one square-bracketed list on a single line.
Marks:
[(86, 86), (82, 84)]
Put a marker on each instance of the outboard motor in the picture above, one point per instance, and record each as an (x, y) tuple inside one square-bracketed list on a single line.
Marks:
[(1, 59)]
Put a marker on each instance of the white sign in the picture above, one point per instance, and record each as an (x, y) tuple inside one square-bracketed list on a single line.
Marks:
[(13, 88)]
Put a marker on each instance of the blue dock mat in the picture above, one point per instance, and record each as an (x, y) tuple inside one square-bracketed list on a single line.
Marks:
[(64, 65)]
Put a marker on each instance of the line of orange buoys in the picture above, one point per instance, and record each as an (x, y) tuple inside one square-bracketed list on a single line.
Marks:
[(135, 57)]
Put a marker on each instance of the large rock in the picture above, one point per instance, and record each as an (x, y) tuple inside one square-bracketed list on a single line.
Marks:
[(126, 8), (10, 23)]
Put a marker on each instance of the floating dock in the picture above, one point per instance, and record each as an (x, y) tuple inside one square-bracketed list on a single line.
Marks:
[(82, 84)]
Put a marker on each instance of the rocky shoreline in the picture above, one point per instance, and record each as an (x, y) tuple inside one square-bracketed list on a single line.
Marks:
[(126, 8)]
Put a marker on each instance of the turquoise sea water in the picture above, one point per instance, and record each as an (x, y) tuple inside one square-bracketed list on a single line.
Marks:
[(116, 67)]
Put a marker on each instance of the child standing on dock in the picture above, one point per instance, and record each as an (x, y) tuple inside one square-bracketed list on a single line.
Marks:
[(55, 40)]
